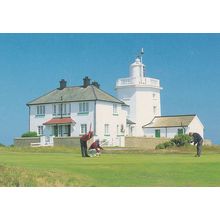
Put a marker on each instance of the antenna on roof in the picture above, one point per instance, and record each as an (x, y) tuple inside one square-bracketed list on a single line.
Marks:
[(141, 54)]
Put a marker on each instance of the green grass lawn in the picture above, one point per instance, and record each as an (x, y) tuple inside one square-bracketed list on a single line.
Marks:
[(66, 167)]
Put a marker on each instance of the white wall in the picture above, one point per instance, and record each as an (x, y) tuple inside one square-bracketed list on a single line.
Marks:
[(36, 121), (164, 132), (82, 118), (104, 115), (196, 126), (141, 102)]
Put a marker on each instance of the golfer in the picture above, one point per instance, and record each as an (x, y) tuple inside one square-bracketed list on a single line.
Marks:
[(95, 148), (197, 139), (83, 143)]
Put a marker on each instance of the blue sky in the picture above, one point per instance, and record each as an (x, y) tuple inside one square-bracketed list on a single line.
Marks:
[(188, 66)]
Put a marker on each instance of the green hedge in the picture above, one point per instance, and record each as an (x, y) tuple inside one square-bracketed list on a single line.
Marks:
[(177, 141), (29, 134), (181, 140)]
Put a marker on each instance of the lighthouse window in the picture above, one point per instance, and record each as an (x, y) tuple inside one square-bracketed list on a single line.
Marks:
[(155, 110), (154, 95)]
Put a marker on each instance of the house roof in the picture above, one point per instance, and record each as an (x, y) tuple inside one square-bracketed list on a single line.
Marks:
[(75, 94), (59, 121), (129, 122), (170, 121)]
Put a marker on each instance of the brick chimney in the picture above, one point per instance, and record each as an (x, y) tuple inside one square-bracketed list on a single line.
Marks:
[(86, 81), (96, 84), (62, 84)]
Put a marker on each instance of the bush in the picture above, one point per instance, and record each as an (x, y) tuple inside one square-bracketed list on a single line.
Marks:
[(169, 144), (160, 146), (178, 141), (2, 145), (181, 140), (165, 145), (29, 134)]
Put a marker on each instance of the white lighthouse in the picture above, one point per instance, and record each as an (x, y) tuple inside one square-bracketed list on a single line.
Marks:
[(142, 94)]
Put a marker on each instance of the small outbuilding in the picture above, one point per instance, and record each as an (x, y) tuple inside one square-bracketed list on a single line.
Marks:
[(169, 126)]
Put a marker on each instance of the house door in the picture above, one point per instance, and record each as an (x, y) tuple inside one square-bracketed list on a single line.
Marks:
[(157, 133), (60, 130), (66, 129)]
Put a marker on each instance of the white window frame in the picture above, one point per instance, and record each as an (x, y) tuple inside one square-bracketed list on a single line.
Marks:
[(64, 112), (40, 130), (106, 129), (117, 129), (54, 109), (83, 128), (59, 109), (115, 109), (69, 109), (40, 110), (83, 107), (66, 109)]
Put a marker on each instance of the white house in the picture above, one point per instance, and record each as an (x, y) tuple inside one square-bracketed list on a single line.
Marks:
[(71, 111), (169, 126)]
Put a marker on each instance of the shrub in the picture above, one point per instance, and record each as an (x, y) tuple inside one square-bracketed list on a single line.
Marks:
[(169, 144), (165, 145), (160, 146), (181, 140), (29, 134), (178, 141), (2, 145)]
